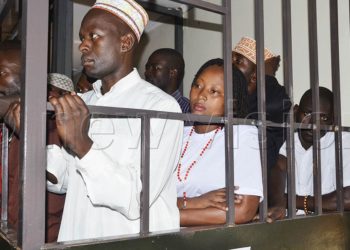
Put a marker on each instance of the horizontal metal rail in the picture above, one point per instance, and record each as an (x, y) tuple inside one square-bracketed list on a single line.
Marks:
[(26, 238), (108, 112), (204, 6), (160, 9)]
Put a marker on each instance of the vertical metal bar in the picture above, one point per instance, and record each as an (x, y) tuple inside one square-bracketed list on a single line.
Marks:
[(229, 163), (333, 8), (179, 40), (314, 81), (31, 228), (260, 65), (4, 172), (145, 174), (288, 83), (5, 8), (62, 40), (179, 33)]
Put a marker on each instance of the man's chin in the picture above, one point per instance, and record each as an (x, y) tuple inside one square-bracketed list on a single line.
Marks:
[(306, 136), (91, 73)]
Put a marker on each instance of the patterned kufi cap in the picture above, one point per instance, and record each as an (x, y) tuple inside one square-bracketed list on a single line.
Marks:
[(127, 10), (60, 81), (247, 47)]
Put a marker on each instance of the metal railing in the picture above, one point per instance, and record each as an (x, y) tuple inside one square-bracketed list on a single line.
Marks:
[(33, 100)]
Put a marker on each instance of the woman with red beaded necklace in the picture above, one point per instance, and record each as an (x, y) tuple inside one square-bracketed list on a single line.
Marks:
[(201, 169)]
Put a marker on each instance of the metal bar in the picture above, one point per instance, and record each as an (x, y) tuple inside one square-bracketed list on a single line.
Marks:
[(62, 40), (204, 5), (5, 10), (31, 228), (160, 9), (179, 34), (260, 66), (347, 129), (288, 83), (333, 7), (145, 175), (4, 172), (314, 81), (179, 38), (108, 112), (229, 162)]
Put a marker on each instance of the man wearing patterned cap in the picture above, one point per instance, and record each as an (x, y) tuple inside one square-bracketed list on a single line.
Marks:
[(277, 101), (59, 85), (244, 57), (101, 174)]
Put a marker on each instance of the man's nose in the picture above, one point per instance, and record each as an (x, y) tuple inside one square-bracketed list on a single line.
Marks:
[(84, 46)]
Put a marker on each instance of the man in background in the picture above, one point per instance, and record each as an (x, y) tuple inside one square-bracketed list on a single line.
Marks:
[(277, 101), (165, 69), (304, 188)]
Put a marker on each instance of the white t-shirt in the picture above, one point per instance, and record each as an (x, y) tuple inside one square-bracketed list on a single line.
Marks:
[(209, 172), (304, 164), (103, 188)]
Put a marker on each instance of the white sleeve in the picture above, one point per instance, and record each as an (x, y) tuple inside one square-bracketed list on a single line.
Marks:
[(57, 164), (283, 150), (112, 184), (247, 162)]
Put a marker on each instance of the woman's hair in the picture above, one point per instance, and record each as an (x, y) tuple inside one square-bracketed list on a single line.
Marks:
[(212, 62), (240, 93), (239, 88)]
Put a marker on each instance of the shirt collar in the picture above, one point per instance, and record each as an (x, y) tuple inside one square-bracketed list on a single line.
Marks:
[(125, 83), (326, 141)]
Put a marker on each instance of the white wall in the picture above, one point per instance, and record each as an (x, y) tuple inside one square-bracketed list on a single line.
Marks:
[(202, 41), (79, 11)]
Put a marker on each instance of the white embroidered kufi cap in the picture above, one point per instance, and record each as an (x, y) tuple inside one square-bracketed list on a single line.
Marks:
[(60, 81), (247, 47), (129, 11)]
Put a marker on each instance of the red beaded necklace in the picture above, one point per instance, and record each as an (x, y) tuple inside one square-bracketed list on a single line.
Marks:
[(194, 161)]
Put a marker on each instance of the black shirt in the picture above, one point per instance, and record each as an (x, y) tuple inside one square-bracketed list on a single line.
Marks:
[(277, 107)]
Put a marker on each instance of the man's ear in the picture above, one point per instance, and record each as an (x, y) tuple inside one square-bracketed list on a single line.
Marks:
[(253, 77), (272, 65), (251, 86), (173, 73), (127, 43)]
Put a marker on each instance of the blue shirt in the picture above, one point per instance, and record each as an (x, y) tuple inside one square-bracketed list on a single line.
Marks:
[(183, 101)]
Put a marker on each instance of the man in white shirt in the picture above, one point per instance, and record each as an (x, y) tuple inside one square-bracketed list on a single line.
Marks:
[(99, 166), (304, 162)]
